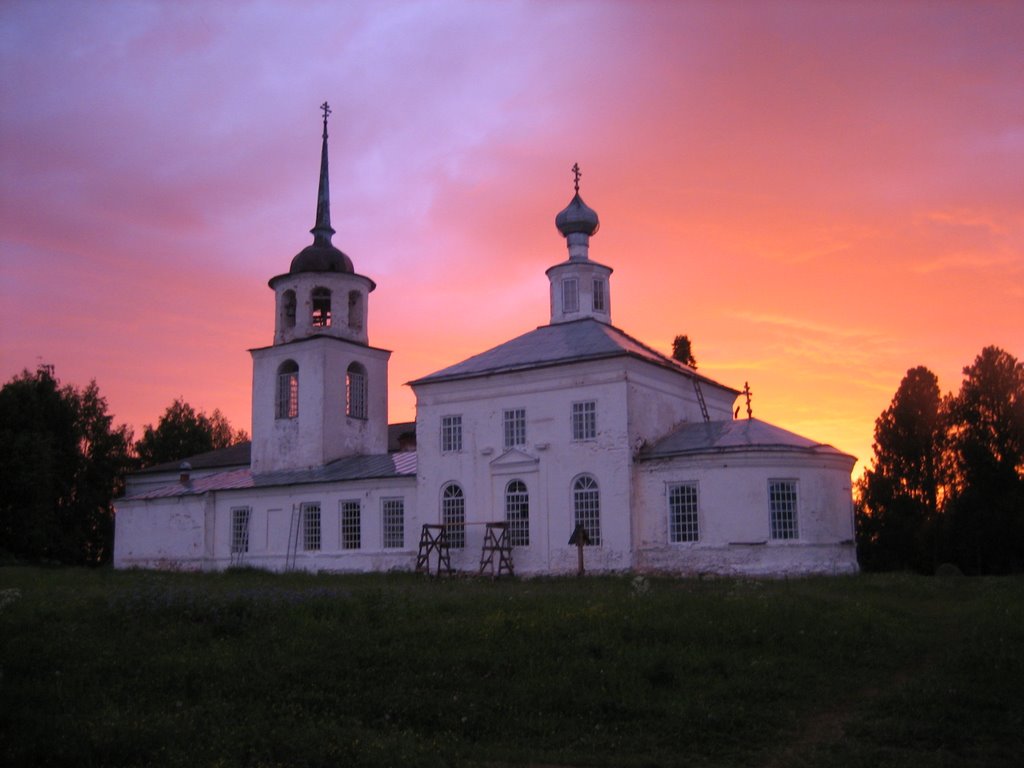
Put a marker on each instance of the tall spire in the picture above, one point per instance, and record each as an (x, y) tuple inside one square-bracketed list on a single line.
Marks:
[(322, 230)]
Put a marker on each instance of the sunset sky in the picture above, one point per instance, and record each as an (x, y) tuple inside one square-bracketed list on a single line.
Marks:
[(820, 194)]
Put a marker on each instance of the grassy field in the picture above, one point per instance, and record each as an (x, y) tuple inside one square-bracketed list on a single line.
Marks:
[(104, 668)]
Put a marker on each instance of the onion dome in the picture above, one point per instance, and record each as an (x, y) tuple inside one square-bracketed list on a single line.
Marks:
[(577, 217), (322, 256)]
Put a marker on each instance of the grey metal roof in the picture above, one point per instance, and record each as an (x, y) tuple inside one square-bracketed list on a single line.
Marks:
[(560, 344), (233, 456), (731, 436), (375, 466)]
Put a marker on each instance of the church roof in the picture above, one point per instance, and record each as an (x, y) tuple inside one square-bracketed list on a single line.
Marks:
[(732, 436), (368, 467), (559, 344)]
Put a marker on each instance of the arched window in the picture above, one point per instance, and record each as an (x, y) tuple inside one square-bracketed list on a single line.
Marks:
[(355, 391), (355, 310), (586, 504), (453, 515), (287, 406), (321, 308), (288, 309), (517, 513)]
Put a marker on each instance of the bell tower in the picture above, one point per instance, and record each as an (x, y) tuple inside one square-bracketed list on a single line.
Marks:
[(320, 391), (579, 287)]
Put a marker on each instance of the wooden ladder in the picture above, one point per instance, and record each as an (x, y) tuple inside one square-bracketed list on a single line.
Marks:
[(496, 542), (434, 538)]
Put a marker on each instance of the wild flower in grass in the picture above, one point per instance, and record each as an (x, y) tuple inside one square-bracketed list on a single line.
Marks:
[(640, 586), (9, 596)]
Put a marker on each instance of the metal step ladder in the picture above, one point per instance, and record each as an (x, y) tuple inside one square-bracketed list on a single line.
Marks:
[(700, 399), (294, 533)]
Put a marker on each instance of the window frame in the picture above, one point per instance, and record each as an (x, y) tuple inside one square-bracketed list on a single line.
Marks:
[(241, 517), (350, 524), (583, 420), (453, 514), (514, 427), (586, 506), (392, 522), (356, 391), (570, 290), (451, 433), (783, 509), (683, 523), (286, 396), (517, 513), (312, 529), (600, 299)]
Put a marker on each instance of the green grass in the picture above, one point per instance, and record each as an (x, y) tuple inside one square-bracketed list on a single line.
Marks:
[(104, 668)]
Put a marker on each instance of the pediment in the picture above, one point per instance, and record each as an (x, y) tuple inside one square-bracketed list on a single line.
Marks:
[(514, 460)]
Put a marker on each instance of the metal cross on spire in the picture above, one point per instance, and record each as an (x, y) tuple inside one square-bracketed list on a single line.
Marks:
[(326, 109), (576, 172), (748, 394)]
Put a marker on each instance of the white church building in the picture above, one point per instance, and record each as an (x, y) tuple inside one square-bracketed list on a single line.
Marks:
[(572, 430)]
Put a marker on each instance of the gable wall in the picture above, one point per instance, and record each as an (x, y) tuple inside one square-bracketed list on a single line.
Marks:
[(549, 462)]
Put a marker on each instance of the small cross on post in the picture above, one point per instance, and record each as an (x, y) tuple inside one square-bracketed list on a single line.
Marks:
[(576, 172), (326, 109), (748, 394)]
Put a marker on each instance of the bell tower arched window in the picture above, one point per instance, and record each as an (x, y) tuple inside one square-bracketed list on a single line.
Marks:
[(321, 308), (355, 391), (355, 310), (287, 405), (288, 309)]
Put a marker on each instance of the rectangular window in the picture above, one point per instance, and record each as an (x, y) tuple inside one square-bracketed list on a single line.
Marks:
[(311, 526), (351, 529), (393, 523), (599, 302), (584, 420), (451, 434), (570, 295), (515, 427), (682, 513), (240, 529), (782, 508)]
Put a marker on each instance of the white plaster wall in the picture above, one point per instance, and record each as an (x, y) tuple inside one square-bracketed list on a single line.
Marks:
[(162, 533), (661, 399), (733, 514), (585, 273), (321, 432), (548, 464), (339, 284), (194, 532), (271, 516)]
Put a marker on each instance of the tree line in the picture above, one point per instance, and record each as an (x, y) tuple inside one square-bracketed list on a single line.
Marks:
[(64, 461), (946, 484)]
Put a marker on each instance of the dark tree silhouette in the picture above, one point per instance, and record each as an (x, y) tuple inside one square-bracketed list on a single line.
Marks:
[(899, 495), (183, 432), (986, 455), (63, 462), (682, 350)]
